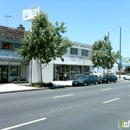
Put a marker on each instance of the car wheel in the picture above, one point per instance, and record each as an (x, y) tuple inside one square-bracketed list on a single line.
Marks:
[(85, 83), (116, 81), (108, 81), (96, 83), (124, 78)]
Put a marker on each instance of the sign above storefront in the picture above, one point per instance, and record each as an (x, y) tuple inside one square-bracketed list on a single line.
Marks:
[(11, 55), (83, 46), (30, 13), (125, 61)]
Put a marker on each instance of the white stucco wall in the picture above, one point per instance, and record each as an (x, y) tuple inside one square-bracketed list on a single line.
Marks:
[(47, 72)]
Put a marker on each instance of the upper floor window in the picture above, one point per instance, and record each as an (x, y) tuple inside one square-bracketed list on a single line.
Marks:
[(84, 52), (74, 51), (17, 45), (6, 45)]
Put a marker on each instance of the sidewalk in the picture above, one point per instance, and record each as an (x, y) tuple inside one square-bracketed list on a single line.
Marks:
[(10, 88)]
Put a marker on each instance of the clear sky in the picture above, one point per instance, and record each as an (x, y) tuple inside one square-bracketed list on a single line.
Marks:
[(86, 20)]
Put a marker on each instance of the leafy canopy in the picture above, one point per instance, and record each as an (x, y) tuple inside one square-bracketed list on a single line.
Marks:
[(45, 41), (102, 54)]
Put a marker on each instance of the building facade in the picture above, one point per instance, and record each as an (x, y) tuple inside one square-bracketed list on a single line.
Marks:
[(11, 66), (76, 60)]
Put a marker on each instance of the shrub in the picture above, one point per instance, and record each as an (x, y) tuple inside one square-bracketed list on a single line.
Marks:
[(38, 84), (19, 82)]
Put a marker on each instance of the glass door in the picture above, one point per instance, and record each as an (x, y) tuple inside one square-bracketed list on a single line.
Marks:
[(3, 74)]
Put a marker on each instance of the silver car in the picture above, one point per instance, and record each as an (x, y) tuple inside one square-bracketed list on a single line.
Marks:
[(127, 77)]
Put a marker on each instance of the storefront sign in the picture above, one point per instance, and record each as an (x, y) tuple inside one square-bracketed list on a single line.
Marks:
[(76, 59), (125, 61), (9, 55), (81, 45)]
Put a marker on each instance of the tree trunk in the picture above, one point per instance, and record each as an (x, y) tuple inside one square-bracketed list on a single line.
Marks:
[(41, 70), (107, 70)]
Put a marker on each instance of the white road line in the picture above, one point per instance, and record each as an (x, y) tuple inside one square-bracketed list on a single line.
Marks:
[(111, 100), (63, 96), (27, 123), (107, 89)]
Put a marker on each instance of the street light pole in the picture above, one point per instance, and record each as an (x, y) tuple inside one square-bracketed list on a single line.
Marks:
[(120, 50), (109, 31), (109, 41), (120, 56)]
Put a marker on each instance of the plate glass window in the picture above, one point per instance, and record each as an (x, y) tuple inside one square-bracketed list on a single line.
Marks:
[(74, 51), (84, 52), (14, 70)]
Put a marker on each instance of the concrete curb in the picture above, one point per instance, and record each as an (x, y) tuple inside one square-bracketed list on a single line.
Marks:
[(14, 91)]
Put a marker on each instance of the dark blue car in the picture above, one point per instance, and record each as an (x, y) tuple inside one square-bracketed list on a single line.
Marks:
[(109, 78), (85, 80)]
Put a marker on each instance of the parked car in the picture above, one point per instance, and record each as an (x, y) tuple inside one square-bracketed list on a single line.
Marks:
[(100, 78), (111, 72), (96, 73), (127, 76), (85, 80), (109, 78)]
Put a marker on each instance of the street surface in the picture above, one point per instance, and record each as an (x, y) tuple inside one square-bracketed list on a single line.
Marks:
[(94, 107)]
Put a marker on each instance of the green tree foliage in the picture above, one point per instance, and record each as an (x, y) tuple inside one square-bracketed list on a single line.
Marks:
[(44, 42), (102, 54)]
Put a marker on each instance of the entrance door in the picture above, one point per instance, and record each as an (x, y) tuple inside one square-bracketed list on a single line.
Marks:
[(3, 74)]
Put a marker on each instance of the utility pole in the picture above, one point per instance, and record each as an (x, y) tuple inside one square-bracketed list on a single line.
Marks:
[(6, 16)]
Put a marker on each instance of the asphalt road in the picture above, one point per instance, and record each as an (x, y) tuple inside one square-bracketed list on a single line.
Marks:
[(95, 107)]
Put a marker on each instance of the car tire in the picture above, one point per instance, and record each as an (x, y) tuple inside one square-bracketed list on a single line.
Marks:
[(96, 83), (124, 78), (116, 81), (108, 81), (85, 84)]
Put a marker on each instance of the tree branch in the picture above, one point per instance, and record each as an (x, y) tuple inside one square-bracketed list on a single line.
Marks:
[(37, 62), (44, 66)]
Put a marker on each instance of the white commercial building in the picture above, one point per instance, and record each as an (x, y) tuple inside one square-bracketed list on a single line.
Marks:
[(76, 61)]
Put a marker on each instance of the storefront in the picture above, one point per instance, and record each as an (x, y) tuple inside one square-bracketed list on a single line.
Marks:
[(69, 72), (76, 62), (12, 67)]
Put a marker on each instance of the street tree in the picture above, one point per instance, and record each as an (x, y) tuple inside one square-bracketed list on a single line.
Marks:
[(103, 54), (45, 42)]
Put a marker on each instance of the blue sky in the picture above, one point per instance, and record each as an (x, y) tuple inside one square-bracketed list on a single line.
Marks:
[(86, 20)]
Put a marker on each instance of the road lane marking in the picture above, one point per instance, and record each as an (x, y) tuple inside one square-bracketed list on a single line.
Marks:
[(111, 100), (23, 124), (107, 89), (63, 96)]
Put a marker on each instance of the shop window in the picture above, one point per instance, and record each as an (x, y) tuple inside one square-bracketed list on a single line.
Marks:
[(17, 45), (84, 52), (6, 46), (14, 70), (74, 51)]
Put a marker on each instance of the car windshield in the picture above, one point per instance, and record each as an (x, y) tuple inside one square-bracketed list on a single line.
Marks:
[(83, 76)]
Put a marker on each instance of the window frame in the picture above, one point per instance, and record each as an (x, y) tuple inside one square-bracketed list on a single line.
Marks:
[(73, 51), (84, 52), (18, 70), (9, 44)]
